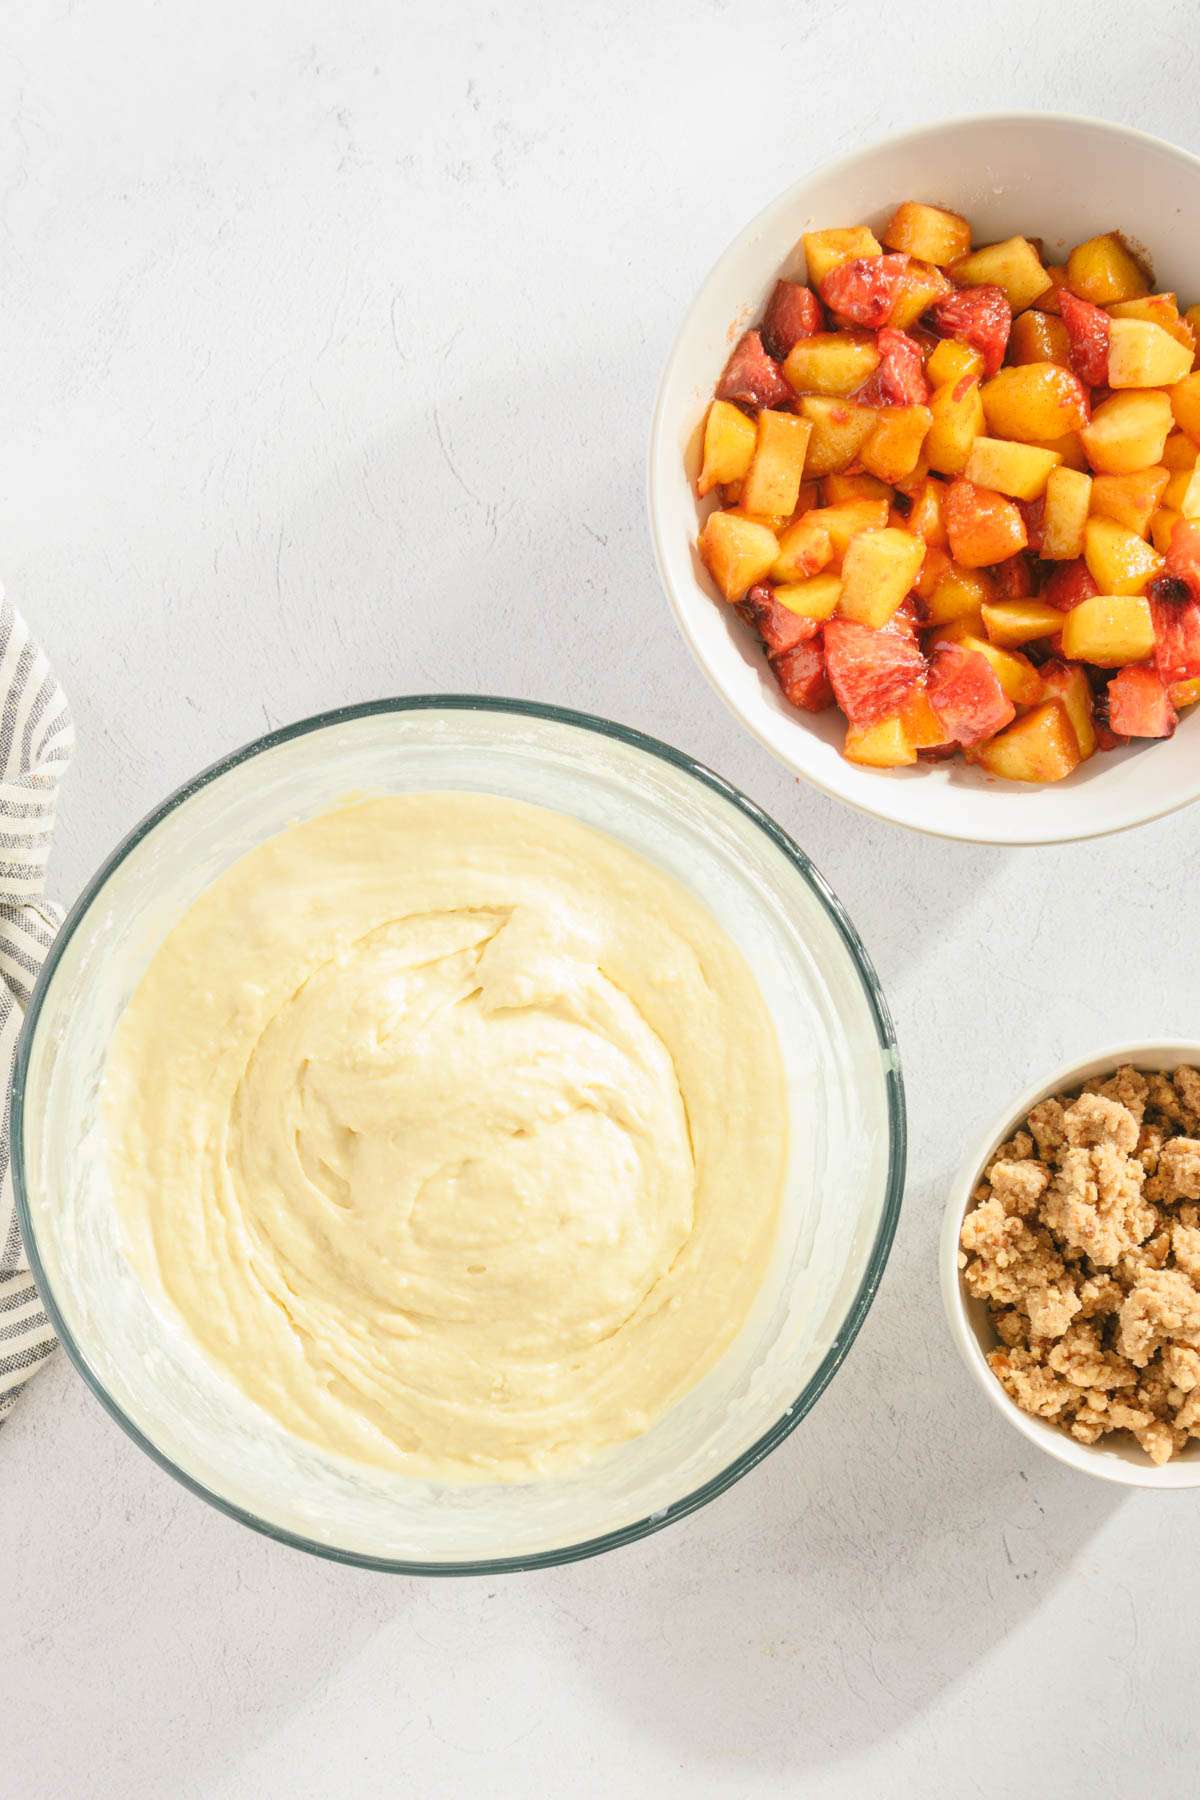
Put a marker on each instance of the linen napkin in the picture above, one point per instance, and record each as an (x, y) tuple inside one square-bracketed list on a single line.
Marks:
[(36, 740)]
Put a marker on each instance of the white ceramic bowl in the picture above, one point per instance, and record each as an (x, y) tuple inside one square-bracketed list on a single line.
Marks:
[(842, 1192), (1112, 1459), (1059, 178)]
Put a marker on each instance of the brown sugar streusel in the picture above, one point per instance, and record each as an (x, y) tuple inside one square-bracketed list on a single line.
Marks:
[(1084, 1239)]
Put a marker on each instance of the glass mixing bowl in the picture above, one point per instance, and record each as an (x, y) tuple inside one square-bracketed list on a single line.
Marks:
[(843, 1186)]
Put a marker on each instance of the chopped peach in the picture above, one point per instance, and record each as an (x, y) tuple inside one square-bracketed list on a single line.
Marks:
[(816, 598), (1182, 493), (932, 571), (825, 251), (1127, 432), (830, 362), (1049, 302), (1180, 451), (729, 438), (1035, 401), (922, 727), (1160, 309), (928, 232), (1109, 629), (1011, 623), (1019, 470), (1013, 265), (1069, 683), (957, 420), (839, 431), (1130, 500), (1069, 448), (883, 745), (983, 527), (1040, 746), (1185, 405), (1103, 270), (878, 570), (737, 552), (925, 514), (805, 548), (1143, 355), (1118, 560), (772, 482), (838, 487), (1065, 515), (844, 521), (894, 447), (950, 361), (919, 286), (1039, 337), (1162, 528), (959, 594)]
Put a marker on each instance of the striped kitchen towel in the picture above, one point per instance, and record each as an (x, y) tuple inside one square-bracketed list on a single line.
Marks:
[(36, 740)]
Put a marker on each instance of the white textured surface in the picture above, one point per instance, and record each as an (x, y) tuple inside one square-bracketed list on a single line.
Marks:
[(331, 337)]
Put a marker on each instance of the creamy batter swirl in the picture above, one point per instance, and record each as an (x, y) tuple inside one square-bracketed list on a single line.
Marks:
[(454, 1131)]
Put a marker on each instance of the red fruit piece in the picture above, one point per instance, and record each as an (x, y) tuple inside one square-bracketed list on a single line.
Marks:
[(873, 672), (966, 696), (1107, 739), (1176, 629), (865, 290), (1183, 555), (1013, 579), (751, 377), (1070, 583), (980, 317), (899, 377), (1089, 329), (1139, 705), (793, 312), (778, 626), (801, 675)]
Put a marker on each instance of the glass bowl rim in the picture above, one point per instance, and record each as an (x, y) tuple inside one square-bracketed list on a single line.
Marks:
[(893, 1082)]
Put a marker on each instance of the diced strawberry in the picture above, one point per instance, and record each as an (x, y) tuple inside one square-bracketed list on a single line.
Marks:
[(873, 672), (1034, 514), (1089, 329), (899, 377), (778, 626), (980, 317), (966, 696), (1013, 578), (1183, 554), (984, 527), (751, 377), (1070, 583), (1139, 705), (793, 312), (864, 290), (802, 677), (1176, 628)]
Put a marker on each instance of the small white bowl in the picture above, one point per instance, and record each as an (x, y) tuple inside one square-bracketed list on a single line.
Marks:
[(1116, 1458), (1061, 178)]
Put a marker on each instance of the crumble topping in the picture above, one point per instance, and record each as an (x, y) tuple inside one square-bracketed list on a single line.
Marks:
[(1084, 1239)]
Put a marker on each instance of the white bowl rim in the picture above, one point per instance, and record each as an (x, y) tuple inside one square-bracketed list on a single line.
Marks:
[(1134, 813), (1090, 1459)]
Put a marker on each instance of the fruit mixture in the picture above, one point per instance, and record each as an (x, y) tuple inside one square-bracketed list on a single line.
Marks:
[(958, 495), (1084, 1239)]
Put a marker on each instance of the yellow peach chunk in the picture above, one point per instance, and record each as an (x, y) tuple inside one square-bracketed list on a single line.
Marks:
[(816, 598), (839, 430), (1013, 265), (830, 362), (950, 361), (1068, 497), (1118, 560), (1109, 630), (772, 482), (736, 551), (894, 447), (1127, 432), (884, 745), (1019, 470), (1143, 355), (825, 251), (929, 232), (1185, 405), (878, 571), (1011, 623), (1040, 746), (1104, 270), (729, 438), (805, 549), (1130, 500), (956, 421)]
